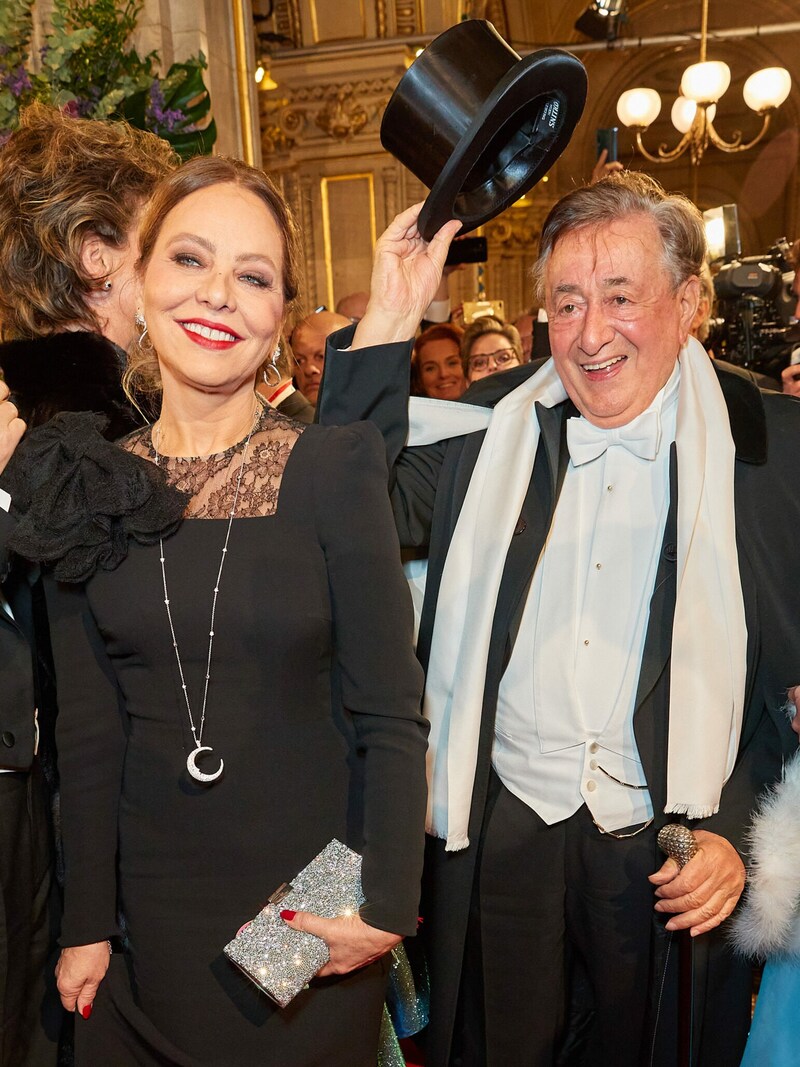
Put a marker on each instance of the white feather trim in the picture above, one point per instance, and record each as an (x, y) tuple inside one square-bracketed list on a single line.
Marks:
[(769, 920)]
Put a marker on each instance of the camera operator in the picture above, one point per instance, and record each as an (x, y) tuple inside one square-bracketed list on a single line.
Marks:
[(791, 374), (756, 327)]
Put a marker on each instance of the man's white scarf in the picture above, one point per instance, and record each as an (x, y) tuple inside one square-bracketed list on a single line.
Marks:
[(709, 636)]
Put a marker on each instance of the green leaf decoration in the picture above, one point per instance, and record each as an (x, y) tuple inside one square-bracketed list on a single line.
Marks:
[(87, 64)]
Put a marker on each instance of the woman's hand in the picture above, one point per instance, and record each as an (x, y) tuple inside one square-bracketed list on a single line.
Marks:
[(11, 427), (79, 972), (351, 942), (405, 276)]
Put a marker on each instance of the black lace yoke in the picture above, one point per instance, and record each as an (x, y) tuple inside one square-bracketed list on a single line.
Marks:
[(210, 481)]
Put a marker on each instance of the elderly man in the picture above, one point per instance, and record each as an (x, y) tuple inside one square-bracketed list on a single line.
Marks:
[(607, 636), (308, 346)]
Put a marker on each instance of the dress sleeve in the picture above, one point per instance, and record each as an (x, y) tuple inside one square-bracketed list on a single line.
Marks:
[(379, 676), (91, 739)]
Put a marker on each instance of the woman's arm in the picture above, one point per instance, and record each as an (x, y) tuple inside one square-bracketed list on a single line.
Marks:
[(90, 734), (381, 683)]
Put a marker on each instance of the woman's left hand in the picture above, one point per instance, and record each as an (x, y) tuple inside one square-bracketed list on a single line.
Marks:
[(351, 942)]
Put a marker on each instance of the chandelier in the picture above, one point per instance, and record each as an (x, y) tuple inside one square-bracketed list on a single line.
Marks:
[(693, 113)]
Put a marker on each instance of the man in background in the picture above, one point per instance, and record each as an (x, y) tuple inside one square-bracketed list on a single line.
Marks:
[(308, 346)]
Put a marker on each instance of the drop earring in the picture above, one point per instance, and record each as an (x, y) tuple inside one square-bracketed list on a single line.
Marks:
[(273, 366), (141, 325)]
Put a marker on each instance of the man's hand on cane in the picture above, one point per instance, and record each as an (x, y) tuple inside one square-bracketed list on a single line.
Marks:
[(702, 894)]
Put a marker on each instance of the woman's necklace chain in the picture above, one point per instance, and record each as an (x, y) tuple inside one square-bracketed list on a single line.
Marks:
[(197, 731)]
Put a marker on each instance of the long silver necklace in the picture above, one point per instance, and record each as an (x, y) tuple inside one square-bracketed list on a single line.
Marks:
[(197, 731)]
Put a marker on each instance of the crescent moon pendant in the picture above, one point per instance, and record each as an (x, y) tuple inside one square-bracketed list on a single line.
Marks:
[(194, 770)]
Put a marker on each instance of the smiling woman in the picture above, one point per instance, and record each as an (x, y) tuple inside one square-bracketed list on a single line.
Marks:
[(436, 368), (222, 718)]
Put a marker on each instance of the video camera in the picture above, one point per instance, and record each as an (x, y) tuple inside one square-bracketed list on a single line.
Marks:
[(755, 327)]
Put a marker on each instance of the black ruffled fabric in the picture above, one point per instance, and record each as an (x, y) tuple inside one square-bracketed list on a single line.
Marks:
[(79, 499)]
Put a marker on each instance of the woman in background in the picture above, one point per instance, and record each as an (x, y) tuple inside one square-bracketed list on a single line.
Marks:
[(71, 191), (71, 196), (488, 346), (436, 369)]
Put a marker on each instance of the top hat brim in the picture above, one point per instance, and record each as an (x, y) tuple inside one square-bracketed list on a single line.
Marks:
[(519, 132)]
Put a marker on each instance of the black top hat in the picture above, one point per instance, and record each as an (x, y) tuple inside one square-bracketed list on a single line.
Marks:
[(478, 125)]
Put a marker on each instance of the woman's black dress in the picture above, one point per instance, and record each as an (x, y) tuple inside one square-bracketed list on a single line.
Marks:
[(313, 704)]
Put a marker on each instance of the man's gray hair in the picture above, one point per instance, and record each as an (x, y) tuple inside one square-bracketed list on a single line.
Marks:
[(618, 196)]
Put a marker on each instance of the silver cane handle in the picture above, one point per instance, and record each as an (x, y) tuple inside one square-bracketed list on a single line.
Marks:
[(678, 842)]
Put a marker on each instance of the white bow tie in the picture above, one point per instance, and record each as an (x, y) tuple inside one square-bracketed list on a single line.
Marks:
[(587, 441)]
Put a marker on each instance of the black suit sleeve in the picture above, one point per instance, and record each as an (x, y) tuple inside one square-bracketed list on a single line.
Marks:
[(379, 676), (373, 384), (17, 692), (91, 739)]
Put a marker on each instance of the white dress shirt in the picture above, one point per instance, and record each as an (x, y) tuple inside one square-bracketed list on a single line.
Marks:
[(564, 728)]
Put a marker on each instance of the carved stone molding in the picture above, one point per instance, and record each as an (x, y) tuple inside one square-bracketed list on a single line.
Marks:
[(342, 117), (287, 20), (519, 228), (380, 17), (493, 11), (337, 111), (407, 17)]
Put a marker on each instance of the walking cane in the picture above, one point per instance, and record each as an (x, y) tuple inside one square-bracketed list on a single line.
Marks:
[(679, 843)]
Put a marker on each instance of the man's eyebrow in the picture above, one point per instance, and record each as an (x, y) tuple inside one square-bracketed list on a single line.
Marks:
[(620, 279), (567, 287)]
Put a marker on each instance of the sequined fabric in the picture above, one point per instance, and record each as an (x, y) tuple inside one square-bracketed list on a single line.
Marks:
[(281, 960)]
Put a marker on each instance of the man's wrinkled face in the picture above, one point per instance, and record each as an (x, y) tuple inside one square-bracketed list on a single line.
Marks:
[(616, 324)]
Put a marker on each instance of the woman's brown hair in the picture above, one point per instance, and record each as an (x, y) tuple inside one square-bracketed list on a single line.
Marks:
[(61, 180)]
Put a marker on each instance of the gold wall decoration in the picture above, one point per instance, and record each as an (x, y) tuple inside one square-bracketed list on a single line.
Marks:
[(380, 17), (342, 117), (339, 111), (340, 21), (242, 10), (286, 14), (408, 18), (493, 11), (348, 231)]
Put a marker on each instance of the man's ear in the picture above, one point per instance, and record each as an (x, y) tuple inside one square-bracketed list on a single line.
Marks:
[(688, 302)]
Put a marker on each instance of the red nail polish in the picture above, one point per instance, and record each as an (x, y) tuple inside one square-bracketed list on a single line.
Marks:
[(287, 915), (86, 1010)]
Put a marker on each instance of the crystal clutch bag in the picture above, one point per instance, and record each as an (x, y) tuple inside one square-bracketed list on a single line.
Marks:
[(280, 960)]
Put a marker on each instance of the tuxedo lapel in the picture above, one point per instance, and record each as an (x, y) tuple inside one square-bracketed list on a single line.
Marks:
[(533, 524), (658, 642)]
